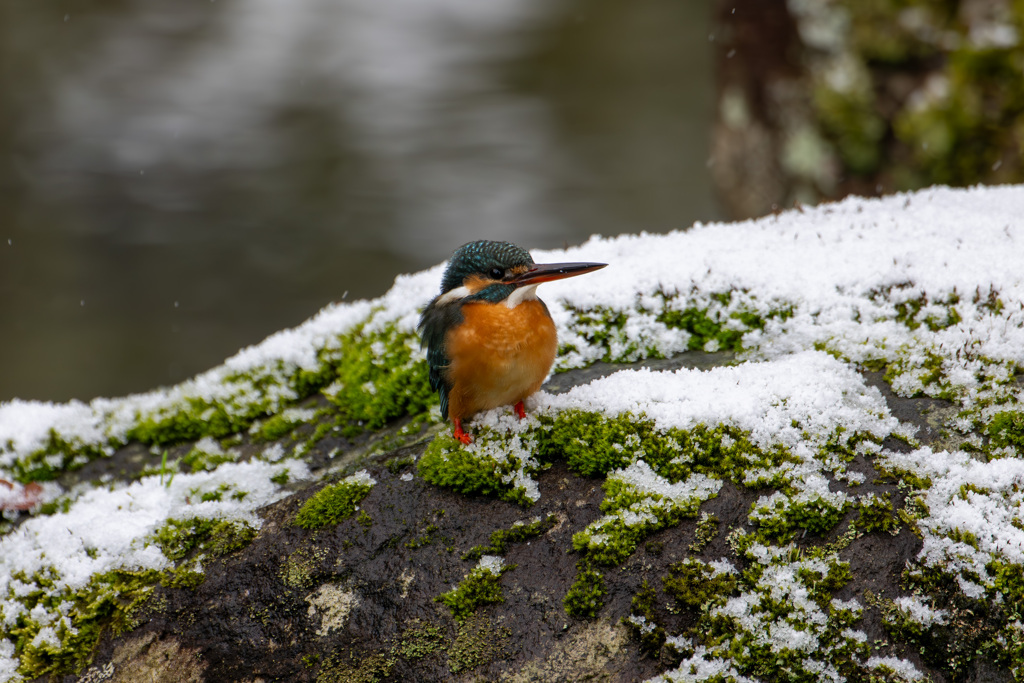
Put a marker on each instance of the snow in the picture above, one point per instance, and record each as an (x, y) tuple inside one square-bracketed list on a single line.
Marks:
[(107, 529), (920, 611), (901, 667), (492, 564), (861, 280)]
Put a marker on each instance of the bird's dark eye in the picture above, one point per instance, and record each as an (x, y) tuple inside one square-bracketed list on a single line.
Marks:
[(497, 274)]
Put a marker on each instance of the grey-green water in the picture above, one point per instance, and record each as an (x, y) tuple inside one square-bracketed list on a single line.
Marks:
[(179, 180)]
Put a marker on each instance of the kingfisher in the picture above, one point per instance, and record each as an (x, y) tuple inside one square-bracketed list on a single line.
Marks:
[(490, 341)]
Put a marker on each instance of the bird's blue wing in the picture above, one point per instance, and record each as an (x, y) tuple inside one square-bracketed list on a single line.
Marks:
[(434, 325)]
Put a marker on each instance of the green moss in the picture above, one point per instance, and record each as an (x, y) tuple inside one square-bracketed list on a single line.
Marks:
[(786, 516), (372, 376), (476, 643), (822, 585), (276, 426), (332, 504), (300, 568), (373, 667), (585, 597), (643, 619), (198, 460), (195, 418), (501, 539), (113, 601), (185, 577), (1006, 429), (593, 444), (590, 443), (447, 463), (378, 377), (694, 584), (631, 518), (768, 590), (705, 531), (178, 538), (60, 454), (971, 630), (876, 514), (419, 641), (721, 326), (109, 602), (604, 328), (480, 587)]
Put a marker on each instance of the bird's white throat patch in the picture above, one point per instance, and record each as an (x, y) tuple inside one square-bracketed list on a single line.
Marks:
[(521, 294)]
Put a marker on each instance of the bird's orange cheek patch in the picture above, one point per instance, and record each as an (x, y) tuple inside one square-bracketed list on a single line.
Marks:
[(474, 283)]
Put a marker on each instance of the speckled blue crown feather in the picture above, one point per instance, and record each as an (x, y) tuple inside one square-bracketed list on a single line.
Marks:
[(480, 257)]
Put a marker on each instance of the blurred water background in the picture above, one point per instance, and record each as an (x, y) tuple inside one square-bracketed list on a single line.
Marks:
[(179, 180)]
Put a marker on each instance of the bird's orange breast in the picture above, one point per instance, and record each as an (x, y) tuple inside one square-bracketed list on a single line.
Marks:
[(498, 355)]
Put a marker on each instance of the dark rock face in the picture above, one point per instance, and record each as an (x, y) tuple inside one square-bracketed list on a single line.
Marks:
[(356, 601)]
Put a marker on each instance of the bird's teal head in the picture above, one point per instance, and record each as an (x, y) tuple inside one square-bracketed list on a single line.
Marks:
[(495, 271), (484, 259)]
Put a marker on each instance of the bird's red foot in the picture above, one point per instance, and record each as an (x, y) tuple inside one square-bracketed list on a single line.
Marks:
[(462, 436), (520, 410), (14, 497)]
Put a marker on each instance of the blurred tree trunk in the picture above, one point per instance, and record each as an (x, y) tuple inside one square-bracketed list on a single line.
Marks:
[(817, 100)]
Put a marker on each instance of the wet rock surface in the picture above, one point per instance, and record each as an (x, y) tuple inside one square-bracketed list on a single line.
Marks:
[(356, 601)]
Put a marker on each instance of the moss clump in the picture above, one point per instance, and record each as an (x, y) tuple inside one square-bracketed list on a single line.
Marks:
[(586, 595), (378, 376), (373, 667), (502, 538), (695, 584), (876, 514), (334, 503), (110, 601), (782, 516), (58, 455), (918, 310), (777, 619), (476, 643), (721, 326), (301, 568), (604, 329), (480, 587), (705, 531), (715, 321), (195, 418), (177, 538), (1006, 429), (419, 641), (197, 460), (372, 376), (276, 426), (643, 621), (593, 444), (474, 470)]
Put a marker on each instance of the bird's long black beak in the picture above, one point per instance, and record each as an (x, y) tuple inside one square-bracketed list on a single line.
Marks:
[(546, 272)]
